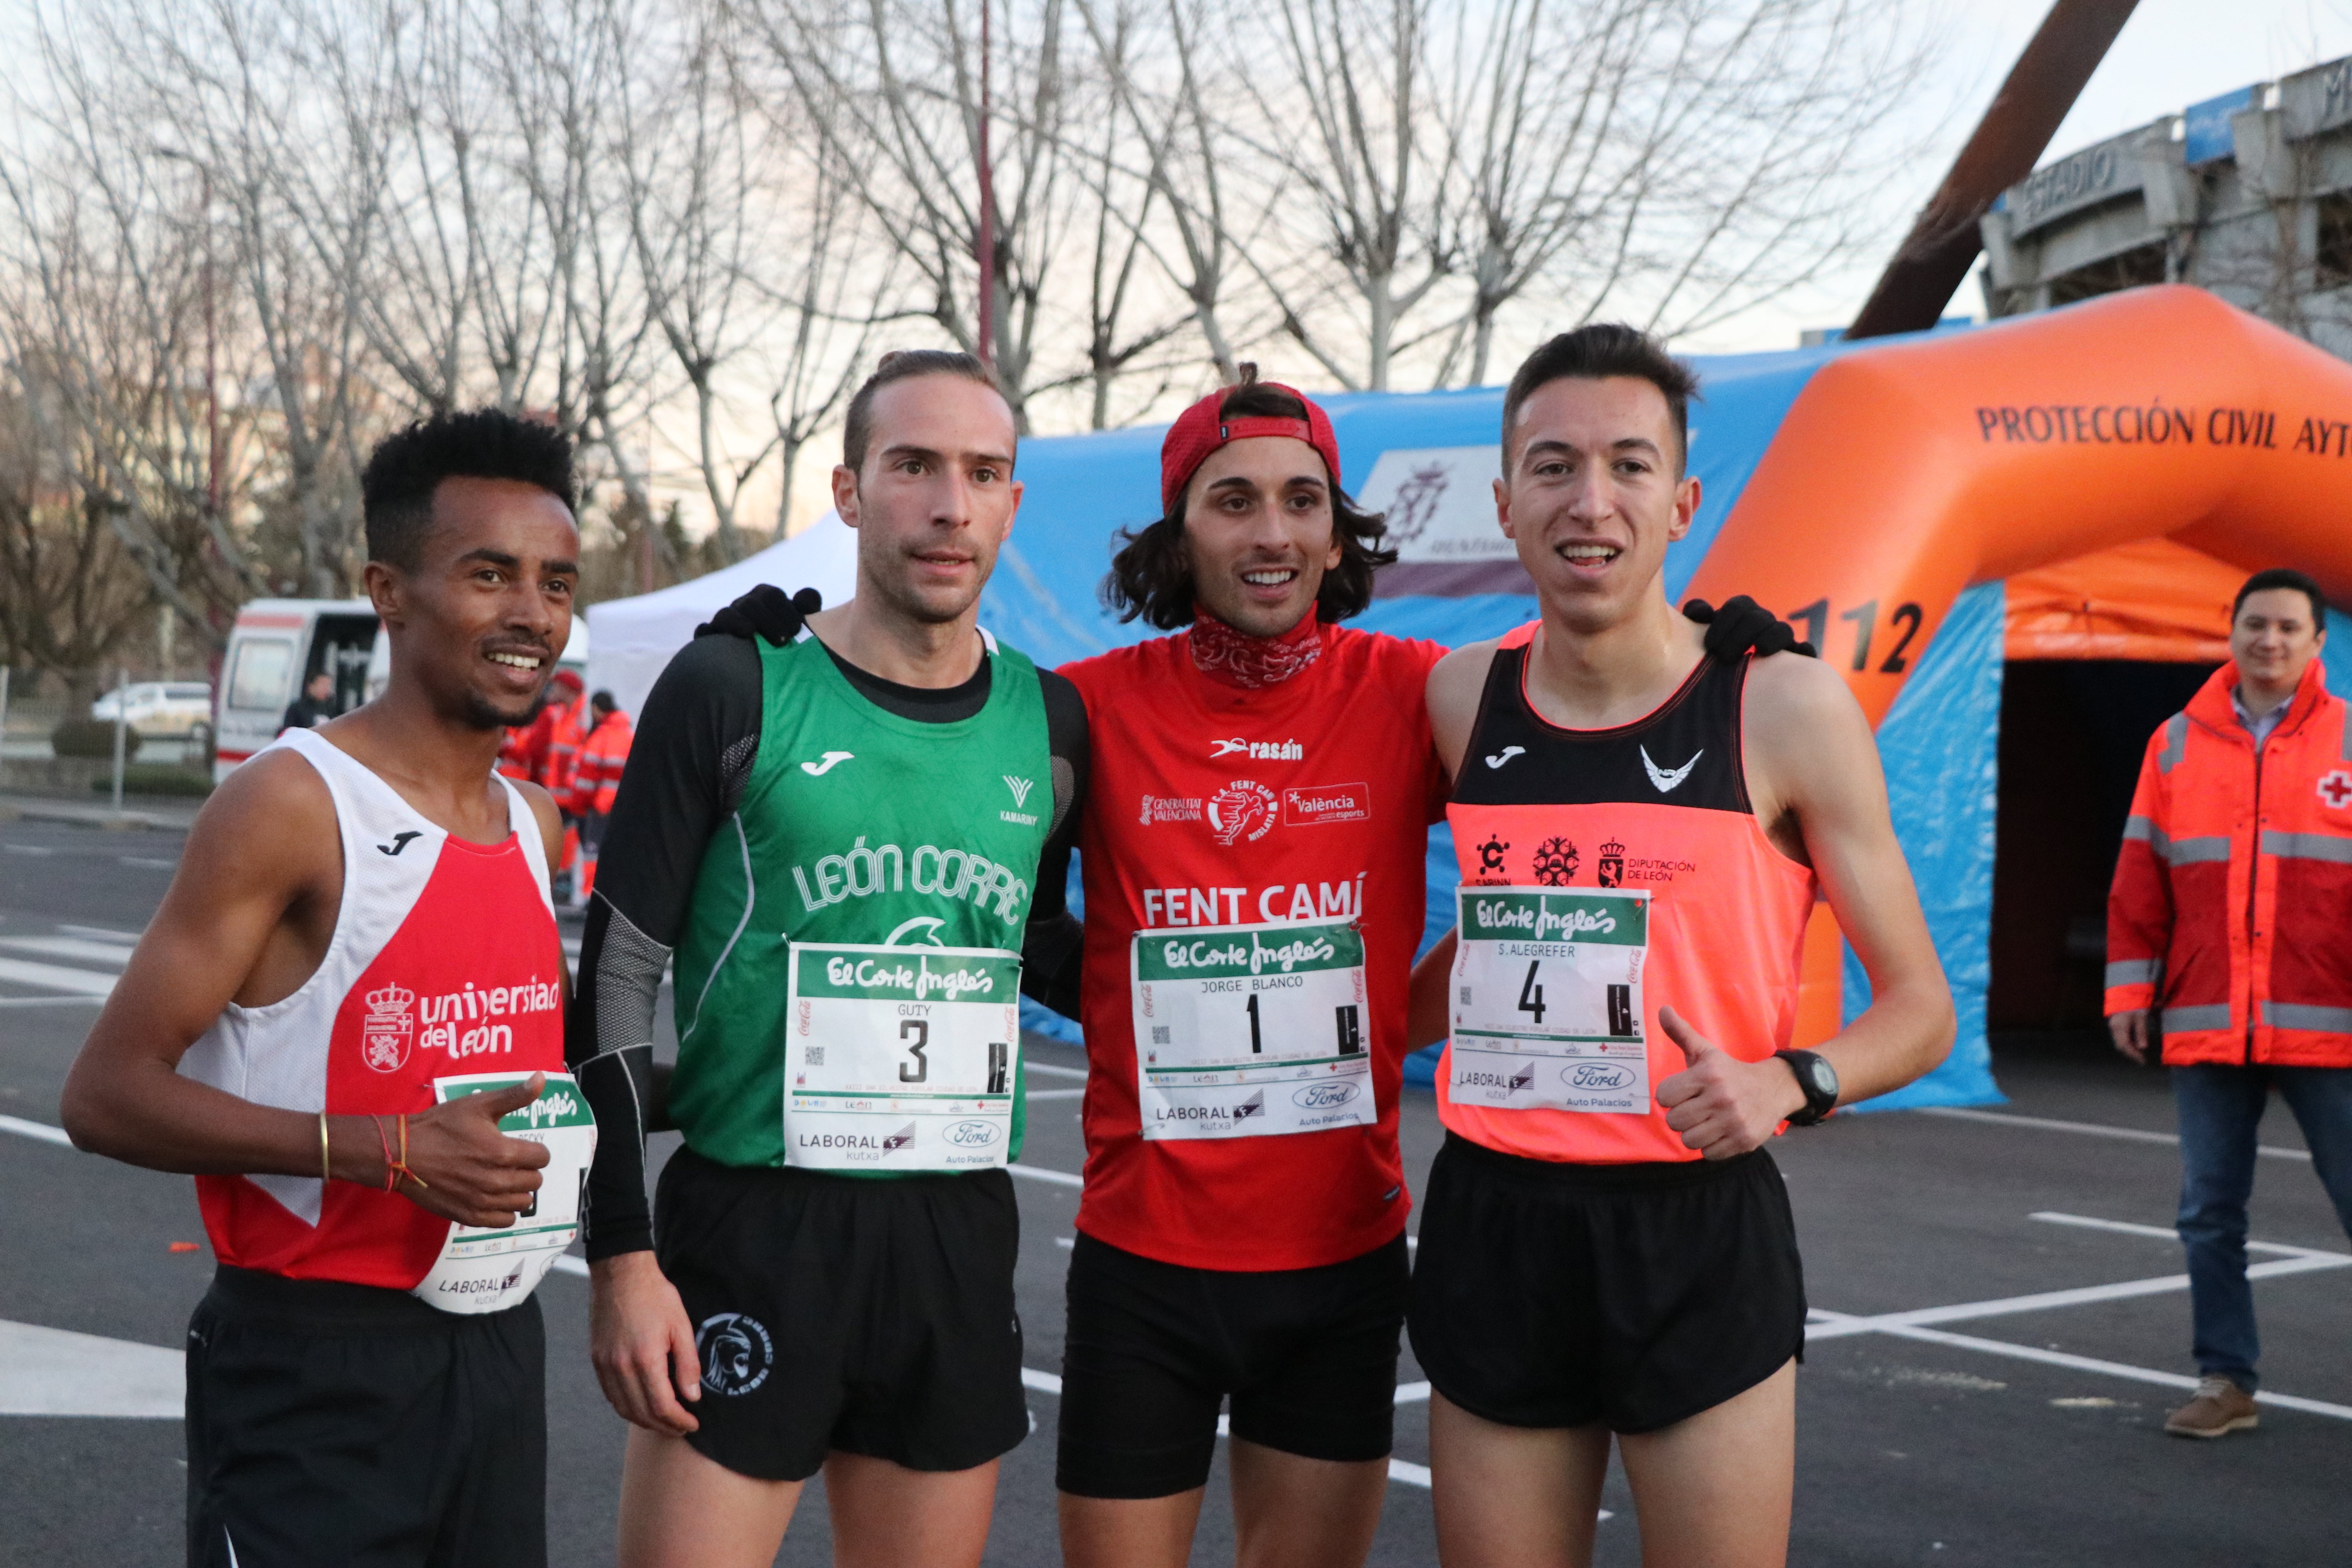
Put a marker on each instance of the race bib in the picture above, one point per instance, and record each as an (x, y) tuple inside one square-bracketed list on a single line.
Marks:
[(1548, 1000), (901, 1058), (1249, 1031), (482, 1269)]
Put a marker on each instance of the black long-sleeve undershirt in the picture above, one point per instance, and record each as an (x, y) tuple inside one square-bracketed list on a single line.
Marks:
[(695, 746)]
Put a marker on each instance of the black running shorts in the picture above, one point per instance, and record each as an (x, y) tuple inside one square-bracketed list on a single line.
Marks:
[(334, 1423), (1308, 1356), (874, 1316), (1634, 1296)]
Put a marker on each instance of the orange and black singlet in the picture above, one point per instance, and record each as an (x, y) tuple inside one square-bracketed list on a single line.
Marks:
[(1659, 804)]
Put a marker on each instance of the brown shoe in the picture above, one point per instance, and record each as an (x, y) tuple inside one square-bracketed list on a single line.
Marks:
[(2219, 1408)]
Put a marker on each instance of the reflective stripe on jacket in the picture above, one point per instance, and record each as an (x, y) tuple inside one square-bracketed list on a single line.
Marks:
[(597, 778), (2232, 909), (564, 737)]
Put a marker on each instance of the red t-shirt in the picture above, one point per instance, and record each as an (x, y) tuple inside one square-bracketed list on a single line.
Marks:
[(1324, 786)]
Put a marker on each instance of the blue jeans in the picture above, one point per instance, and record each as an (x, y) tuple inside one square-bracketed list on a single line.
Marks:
[(2220, 1109)]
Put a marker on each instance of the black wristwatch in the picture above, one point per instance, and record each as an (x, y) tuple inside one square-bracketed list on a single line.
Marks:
[(1818, 1079)]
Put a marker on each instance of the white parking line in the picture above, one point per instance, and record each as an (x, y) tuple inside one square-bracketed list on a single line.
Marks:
[(1038, 1094), (2092, 1363), (50, 1001), (1050, 1070), (2088, 1129), (40, 1129), (2163, 1233), (100, 932), (1039, 1173), (1839, 1325), (57, 977), (56, 1372), (69, 947)]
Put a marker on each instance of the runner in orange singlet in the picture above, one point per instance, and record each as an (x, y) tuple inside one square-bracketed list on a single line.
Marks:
[(1605, 1247)]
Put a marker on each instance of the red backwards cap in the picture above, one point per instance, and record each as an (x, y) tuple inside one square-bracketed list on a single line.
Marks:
[(1199, 431)]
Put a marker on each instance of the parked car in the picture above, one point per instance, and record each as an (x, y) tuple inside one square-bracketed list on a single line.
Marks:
[(158, 706)]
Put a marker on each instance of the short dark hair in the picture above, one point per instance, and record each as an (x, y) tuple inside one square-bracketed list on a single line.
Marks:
[(905, 364), (1597, 351), (2282, 577), (1150, 577), (407, 466), (603, 703)]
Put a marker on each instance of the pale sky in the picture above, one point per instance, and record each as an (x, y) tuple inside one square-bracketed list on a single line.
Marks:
[(2171, 54)]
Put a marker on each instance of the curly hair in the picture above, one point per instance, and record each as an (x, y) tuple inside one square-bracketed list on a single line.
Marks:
[(407, 466), (1151, 580)]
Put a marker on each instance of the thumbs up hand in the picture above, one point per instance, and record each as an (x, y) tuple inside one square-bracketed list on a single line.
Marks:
[(1723, 1106)]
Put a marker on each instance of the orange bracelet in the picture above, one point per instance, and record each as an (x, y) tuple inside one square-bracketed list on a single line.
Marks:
[(422, 1184)]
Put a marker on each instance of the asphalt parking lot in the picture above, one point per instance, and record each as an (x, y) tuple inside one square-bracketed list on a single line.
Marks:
[(2001, 1319)]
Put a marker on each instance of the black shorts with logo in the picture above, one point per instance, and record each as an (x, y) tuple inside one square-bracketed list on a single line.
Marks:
[(1635, 1296), (335, 1423), (870, 1315), (1308, 1356)]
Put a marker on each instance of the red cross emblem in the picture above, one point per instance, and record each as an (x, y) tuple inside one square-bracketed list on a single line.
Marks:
[(2335, 789)]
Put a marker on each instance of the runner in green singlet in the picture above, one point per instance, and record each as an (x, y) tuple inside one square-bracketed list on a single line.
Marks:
[(840, 838)]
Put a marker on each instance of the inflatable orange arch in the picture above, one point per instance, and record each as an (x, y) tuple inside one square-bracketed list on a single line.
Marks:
[(1904, 474)]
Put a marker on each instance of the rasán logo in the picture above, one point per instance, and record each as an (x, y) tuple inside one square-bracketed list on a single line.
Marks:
[(1323, 1096), (971, 1134)]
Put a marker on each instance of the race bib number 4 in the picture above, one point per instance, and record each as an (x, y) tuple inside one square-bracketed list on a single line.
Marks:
[(482, 1269), (1251, 1030), (1548, 1000), (901, 1058)]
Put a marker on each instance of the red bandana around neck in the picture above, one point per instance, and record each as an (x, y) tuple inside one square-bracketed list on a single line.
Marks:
[(1237, 659)]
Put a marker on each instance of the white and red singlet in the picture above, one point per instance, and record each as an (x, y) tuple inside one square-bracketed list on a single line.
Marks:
[(444, 973)]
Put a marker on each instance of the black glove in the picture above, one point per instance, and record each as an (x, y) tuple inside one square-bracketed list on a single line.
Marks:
[(765, 612), (1743, 624)]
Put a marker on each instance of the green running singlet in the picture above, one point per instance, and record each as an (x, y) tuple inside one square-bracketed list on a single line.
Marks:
[(856, 827)]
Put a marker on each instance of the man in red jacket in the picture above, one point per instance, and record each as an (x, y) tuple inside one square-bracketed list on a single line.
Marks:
[(2227, 951)]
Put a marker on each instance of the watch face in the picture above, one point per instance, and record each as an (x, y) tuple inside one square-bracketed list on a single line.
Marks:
[(1824, 1077)]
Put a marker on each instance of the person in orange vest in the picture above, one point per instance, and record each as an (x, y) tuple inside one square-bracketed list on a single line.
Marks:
[(596, 781), (567, 725), (522, 754), (2227, 951)]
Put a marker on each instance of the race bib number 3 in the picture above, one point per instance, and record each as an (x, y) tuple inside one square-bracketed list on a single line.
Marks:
[(1251, 1030), (482, 1269), (1546, 1000), (901, 1058)]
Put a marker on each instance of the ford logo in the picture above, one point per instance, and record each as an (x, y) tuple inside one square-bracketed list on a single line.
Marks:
[(1323, 1096), (1597, 1075), (972, 1134)]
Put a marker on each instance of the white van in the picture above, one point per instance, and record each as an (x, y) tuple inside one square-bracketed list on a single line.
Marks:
[(276, 646)]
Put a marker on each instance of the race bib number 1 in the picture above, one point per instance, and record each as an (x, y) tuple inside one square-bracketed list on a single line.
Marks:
[(1251, 1030), (1548, 1000), (901, 1058), (483, 1269)]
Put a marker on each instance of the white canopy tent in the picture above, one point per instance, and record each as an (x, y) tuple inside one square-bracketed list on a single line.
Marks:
[(632, 639)]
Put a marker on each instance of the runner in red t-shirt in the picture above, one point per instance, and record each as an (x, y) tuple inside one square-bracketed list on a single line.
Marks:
[(1253, 844)]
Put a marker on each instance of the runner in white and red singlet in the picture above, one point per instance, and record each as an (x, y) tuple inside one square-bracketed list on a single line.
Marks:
[(346, 1020)]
